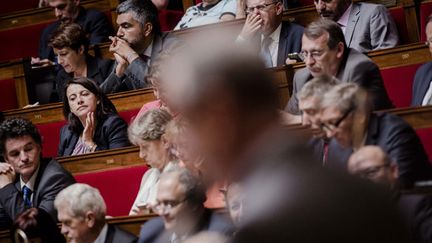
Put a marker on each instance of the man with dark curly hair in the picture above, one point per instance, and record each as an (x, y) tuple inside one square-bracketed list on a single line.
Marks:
[(27, 180)]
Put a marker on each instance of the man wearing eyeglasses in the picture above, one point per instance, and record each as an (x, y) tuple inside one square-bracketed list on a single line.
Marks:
[(366, 26), (372, 163), (347, 120), (324, 51), (180, 205), (422, 86), (264, 25)]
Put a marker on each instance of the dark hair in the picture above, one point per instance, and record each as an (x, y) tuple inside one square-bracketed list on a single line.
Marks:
[(36, 223), (104, 107), (319, 27), (142, 11), (69, 35), (16, 128), (194, 188)]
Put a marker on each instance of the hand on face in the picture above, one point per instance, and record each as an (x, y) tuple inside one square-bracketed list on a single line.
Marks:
[(89, 129), (122, 48), (7, 174), (252, 26)]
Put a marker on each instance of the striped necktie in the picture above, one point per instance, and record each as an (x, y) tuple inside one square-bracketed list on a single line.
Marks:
[(27, 197)]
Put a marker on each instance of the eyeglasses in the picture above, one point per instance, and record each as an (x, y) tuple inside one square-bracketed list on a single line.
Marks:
[(313, 54), (259, 7), (166, 206), (332, 126), (372, 171)]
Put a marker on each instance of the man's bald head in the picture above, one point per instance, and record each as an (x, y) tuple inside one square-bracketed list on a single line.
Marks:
[(373, 163)]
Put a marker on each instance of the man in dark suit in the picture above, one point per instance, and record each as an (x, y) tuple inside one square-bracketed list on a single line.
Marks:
[(264, 25), (94, 23), (372, 163), (325, 52), (82, 211), (138, 42), (348, 121), (180, 203), (422, 86), (27, 180)]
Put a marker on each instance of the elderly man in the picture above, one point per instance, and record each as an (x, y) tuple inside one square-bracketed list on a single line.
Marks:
[(138, 42), (372, 163), (264, 25), (27, 180), (325, 52), (82, 211), (366, 26), (422, 87), (347, 119), (94, 23), (180, 205)]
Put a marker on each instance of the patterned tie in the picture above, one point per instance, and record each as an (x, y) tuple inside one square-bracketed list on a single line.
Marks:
[(265, 52), (27, 195)]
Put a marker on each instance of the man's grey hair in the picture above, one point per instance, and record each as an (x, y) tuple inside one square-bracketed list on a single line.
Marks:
[(317, 87), (325, 26), (78, 199), (342, 96), (149, 126), (143, 11), (195, 191)]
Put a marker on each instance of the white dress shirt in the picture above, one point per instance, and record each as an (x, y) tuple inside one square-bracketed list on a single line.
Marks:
[(274, 44), (428, 95), (30, 183), (343, 20)]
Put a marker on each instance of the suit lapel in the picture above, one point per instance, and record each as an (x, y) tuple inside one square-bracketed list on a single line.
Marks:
[(71, 144), (352, 22), (283, 42), (42, 167), (157, 47)]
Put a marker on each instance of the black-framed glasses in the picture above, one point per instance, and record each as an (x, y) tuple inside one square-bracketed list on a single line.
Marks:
[(333, 126), (261, 7), (371, 172), (167, 205)]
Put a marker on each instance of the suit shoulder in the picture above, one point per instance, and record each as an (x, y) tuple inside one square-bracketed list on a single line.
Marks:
[(356, 59), (425, 68), (93, 13), (123, 236), (113, 119), (151, 230), (221, 224)]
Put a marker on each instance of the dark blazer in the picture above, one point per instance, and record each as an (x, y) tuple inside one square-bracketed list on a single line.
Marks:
[(154, 230), (422, 80), (355, 67), (399, 140), (97, 70), (289, 41), (116, 234), (94, 23), (135, 74), (110, 133), (50, 180)]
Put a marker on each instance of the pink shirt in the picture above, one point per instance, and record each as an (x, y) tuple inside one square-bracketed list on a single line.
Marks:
[(343, 21), (149, 106)]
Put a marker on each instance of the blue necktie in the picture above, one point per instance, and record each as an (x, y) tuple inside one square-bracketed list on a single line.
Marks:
[(27, 195)]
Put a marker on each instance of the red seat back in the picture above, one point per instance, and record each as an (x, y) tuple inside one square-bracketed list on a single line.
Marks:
[(398, 15), (168, 19), (118, 187), (425, 11), (425, 135), (128, 115), (11, 6), (398, 83), (50, 133), (8, 95)]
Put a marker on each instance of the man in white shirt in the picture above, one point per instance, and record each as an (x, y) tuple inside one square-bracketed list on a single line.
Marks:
[(82, 210)]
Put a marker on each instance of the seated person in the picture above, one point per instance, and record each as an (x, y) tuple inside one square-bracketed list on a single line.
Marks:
[(94, 23), (180, 205), (325, 52), (366, 26), (264, 25), (138, 42), (208, 12), (235, 200), (36, 225), (372, 163), (27, 180), (93, 122), (70, 45), (422, 86), (147, 132), (82, 211), (347, 120)]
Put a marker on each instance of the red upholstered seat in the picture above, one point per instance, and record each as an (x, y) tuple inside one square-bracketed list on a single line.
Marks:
[(169, 18), (425, 135), (398, 82), (425, 11), (118, 187), (8, 95), (10, 6), (21, 42), (50, 133), (398, 15), (129, 115)]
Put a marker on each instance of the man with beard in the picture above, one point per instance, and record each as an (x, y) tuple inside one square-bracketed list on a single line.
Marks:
[(366, 26), (139, 40), (94, 23)]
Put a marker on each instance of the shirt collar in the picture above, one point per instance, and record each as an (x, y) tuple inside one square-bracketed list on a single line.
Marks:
[(102, 235), (148, 50), (343, 20), (30, 183), (275, 35)]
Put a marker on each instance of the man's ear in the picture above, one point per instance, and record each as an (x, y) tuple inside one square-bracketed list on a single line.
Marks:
[(90, 219), (279, 8), (77, 2), (81, 50), (148, 29), (340, 50), (164, 141)]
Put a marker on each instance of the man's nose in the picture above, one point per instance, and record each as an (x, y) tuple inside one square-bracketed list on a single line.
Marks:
[(142, 154), (24, 156), (57, 13), (308, 60), (120, 32), (64, 230)]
